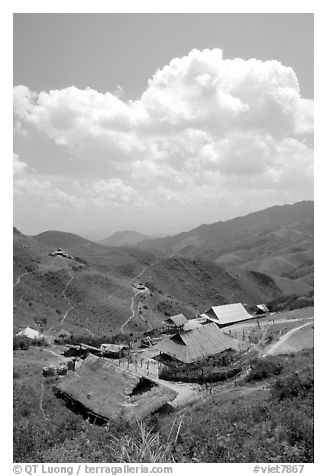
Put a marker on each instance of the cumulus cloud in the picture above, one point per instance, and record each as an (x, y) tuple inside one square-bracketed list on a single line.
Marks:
[(203, 122), (18, 166)]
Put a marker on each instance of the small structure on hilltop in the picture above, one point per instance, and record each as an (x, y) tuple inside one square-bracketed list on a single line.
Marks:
[(176, 321), (61, 252), (30, 333), (140, 287), (103, 390), (198, 344), (227, 314)]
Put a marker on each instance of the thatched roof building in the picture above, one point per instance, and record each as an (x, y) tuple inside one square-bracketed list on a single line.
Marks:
[(109, 392), (198, 344)]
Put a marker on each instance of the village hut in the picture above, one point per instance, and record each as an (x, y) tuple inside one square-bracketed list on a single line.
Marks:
[(198, 344), (227, 314), (30, 333), (176, 321), (261, 309), (104, 390)]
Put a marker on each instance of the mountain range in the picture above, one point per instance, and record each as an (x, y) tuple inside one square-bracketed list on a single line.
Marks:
[(256, 258), (124, 238)]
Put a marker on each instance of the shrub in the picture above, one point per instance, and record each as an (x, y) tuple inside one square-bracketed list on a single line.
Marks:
[(292, 386), (21, 342), (39, 342), (264, 368)]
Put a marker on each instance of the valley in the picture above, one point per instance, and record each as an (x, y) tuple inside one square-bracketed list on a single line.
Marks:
[(92, 293), (95, 292)]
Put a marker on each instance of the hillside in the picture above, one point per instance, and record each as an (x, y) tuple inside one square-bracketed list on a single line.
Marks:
[(93, 293), (192, 286), (86, 295), (277, 241), (124, 238)]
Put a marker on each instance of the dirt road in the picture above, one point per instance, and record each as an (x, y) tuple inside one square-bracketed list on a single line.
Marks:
[(65, 296), (293, 341), (21, 276)]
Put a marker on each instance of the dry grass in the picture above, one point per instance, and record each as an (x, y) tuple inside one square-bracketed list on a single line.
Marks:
[(148, 447)]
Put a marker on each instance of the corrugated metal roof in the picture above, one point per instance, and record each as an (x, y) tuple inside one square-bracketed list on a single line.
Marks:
[(198, 344), (228, 313), (178, 320), (30, 333), (262, 307)]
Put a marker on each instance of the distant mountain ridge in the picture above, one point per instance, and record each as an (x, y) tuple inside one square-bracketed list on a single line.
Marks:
[(219, 233), (263, 256), (124, 238), (277, 241)]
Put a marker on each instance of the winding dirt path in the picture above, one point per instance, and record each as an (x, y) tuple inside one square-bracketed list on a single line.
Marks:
[(277, 347), (17, 304), (21, 276), (133, 297), (64, 294), (111, 295), (130, 317), (88, 330)]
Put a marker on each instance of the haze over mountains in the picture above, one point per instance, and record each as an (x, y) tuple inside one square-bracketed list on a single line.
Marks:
[(124, 238), (256, 258), (277, 241)]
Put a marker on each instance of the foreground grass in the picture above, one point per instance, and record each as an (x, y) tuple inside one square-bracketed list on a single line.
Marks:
[(273, 424)]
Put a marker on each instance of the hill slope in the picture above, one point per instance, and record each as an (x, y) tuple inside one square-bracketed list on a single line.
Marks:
[(277, 241), (93, 292), (89, 294)]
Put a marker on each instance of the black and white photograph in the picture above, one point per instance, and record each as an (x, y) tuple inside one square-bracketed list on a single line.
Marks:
[(163, 240)]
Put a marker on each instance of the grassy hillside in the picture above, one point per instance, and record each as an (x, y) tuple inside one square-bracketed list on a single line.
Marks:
[(93, 293), (87, 295), (192, 286), (266, 417), (277, 241)]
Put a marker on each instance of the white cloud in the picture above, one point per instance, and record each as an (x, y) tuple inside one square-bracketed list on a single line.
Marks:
[(205, 127), (18, 166)]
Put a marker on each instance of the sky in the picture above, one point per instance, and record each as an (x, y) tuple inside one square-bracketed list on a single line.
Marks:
[(159, 122)]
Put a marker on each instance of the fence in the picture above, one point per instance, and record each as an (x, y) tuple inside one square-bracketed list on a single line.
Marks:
[(143, 366)]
